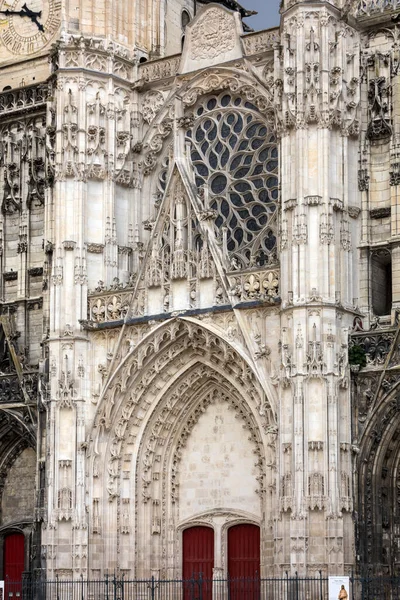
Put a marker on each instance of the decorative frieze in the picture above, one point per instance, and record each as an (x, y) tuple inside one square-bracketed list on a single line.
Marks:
[(262, 285), (95, 248), (25, 99), (69, 245), (313, 200), (96, 54), (264, 41), (366, 8), (375, 344), (159, 69), (109, 307), (290, 204)]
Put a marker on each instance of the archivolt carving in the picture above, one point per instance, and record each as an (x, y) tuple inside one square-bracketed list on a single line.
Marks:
[(238, 83), (151, 104), (378, 493), (154, 367), (235, 80)]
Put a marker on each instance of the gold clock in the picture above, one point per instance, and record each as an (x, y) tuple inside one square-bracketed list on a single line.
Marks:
[(27, 26)]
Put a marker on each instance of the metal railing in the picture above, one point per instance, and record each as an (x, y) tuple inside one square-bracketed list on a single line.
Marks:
[(199, 588)]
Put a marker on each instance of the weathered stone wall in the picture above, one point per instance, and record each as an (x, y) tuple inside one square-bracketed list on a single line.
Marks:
[(218, 466), (18, 499)]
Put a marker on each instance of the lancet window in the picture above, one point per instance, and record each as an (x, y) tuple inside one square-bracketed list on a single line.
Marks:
[(235, 158)]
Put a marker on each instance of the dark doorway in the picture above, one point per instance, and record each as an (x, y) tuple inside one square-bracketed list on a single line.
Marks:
[(381, 274)]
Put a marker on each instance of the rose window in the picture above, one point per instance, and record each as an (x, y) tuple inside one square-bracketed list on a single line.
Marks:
[(235, 158)]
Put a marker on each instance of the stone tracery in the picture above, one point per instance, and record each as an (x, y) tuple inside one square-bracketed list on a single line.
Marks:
[(235, 157)]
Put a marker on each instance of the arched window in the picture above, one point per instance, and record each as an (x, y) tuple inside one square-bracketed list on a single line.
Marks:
[(235, 158), (185, 19), (381, 282)]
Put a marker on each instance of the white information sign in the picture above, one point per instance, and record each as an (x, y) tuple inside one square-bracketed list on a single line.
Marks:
[(339, 588), (1, 590)]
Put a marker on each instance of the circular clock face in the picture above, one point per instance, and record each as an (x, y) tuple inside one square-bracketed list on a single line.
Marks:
[(27, 26)]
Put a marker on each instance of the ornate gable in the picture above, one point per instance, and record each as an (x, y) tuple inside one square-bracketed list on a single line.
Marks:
[(178, 271), (213, 37)]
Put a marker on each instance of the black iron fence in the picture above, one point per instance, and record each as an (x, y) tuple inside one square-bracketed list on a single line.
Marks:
[(284, 588)]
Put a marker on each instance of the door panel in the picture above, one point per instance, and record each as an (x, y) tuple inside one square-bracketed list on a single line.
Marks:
[(198, 562), (244, 562), (14, 564)]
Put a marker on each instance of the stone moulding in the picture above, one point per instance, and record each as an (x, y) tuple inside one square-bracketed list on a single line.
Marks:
[(35, 271), (380, 213), (10, 275), (95, 248)]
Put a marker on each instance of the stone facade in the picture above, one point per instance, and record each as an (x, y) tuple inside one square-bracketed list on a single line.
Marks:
[(200, 289)]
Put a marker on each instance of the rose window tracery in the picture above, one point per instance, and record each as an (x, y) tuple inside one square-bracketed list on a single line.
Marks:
[(235, 157)]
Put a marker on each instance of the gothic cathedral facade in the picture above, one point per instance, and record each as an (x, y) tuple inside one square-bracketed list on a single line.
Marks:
[(200, 286)]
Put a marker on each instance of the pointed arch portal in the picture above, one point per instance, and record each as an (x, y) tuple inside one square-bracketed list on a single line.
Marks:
[(182, 423), (378, 473)]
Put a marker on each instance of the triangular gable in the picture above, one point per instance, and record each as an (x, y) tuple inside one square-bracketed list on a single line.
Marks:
[(178, 271), (183, 267)]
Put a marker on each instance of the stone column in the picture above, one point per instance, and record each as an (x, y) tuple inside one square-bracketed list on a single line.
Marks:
[(319, 130)]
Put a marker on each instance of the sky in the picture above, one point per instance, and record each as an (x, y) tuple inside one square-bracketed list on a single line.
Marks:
[(268, 13)]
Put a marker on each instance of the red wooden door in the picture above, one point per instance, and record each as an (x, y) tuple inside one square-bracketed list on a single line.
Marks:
[(198, 563), (244, 562), (14, 563)]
